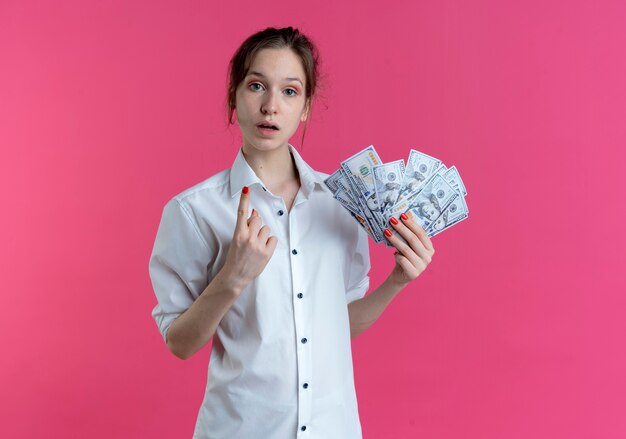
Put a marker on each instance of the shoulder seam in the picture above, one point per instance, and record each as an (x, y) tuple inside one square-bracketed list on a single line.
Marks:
[(204, 185), (193, 224)]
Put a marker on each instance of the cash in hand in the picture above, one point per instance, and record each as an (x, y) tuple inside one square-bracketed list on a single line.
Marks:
[(425, 190)]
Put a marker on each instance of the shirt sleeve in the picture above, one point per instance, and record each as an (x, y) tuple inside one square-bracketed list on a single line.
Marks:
[(359, 280), (178, 265)]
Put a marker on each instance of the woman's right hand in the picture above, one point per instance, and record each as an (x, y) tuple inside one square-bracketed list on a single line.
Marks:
[(250, 249)]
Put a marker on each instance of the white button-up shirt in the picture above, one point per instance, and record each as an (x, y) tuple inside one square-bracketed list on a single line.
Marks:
[(281, 360)]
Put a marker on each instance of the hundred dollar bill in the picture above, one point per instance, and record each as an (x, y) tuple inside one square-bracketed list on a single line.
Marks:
[(331, 181), (377, 230), (452, 176), (455, 212), (358, 169), (346, 202), (404, 199), (409, 197), (344, 183), (431, 201), (387, 183), (354, 201), (347, 189), (419, 167), (371, 208), (336, 182)]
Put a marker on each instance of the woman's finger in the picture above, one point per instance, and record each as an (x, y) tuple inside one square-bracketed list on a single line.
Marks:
[(411, 270), (408, 221), (264, 234), (402, 246), (242, 210), (272, 241), (411, 238), (254, 212), (254, 225)]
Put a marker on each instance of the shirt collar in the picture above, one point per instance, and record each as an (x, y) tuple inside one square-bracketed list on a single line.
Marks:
[(241, 174)]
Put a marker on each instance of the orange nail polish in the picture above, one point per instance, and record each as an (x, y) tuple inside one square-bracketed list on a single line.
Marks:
[(245, 189), (388, 233), (404, 217), (393, 221)]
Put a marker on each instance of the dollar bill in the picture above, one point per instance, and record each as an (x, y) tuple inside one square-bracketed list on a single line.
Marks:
[(374, 223), (404, 200), (453, 177), (430, 202), (346, 202), (419, 167), (456, 212), (387, 183), (358, 170), (344, 183), (332, 181), (338, 184), (344, 192)]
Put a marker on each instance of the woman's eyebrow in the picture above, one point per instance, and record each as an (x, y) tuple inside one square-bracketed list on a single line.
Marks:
[(263, 76)]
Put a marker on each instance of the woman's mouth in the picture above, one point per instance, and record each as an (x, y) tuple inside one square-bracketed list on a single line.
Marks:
[(267, 130)]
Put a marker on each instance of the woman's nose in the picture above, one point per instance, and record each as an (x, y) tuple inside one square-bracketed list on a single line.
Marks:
[(269, 105)]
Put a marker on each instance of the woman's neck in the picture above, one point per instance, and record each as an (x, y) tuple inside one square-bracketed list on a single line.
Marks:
[(276, 169)]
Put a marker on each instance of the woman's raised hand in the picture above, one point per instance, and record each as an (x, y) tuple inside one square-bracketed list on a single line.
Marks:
[(414, 255), (251, 247)]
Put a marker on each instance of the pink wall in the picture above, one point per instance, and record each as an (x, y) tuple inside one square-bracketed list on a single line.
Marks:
[(516, 330)]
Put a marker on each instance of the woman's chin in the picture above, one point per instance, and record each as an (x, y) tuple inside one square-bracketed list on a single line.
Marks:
[(264, 145)]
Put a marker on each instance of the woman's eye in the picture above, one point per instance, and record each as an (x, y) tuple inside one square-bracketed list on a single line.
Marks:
[(290, 91)]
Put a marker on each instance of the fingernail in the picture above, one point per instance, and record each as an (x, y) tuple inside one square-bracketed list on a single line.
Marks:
[(252, 212), (388, 233), (245, 189), (404, 217), (393, 221)]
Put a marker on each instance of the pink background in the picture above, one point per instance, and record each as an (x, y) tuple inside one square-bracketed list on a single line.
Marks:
[(516, 329)]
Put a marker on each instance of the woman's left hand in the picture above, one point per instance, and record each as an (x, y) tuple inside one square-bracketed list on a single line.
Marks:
[(412, 257)]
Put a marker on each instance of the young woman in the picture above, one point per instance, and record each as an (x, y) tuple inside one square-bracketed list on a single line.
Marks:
[(262, 260)]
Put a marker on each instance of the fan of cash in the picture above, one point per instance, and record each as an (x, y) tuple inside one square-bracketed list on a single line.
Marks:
[(426, 190)]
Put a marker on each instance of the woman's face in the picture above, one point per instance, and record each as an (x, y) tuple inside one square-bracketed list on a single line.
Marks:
[(272, 92)]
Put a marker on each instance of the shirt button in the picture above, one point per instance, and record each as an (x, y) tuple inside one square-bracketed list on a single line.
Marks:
[(300, 295), (305, 385), (303, 428), (280, 213), (294, 251), (304, 340)]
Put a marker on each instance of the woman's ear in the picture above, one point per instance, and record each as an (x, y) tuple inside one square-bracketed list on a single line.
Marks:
[(305, 113)]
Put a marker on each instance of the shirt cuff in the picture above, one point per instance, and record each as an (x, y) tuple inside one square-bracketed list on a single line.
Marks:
[(357, 292)]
